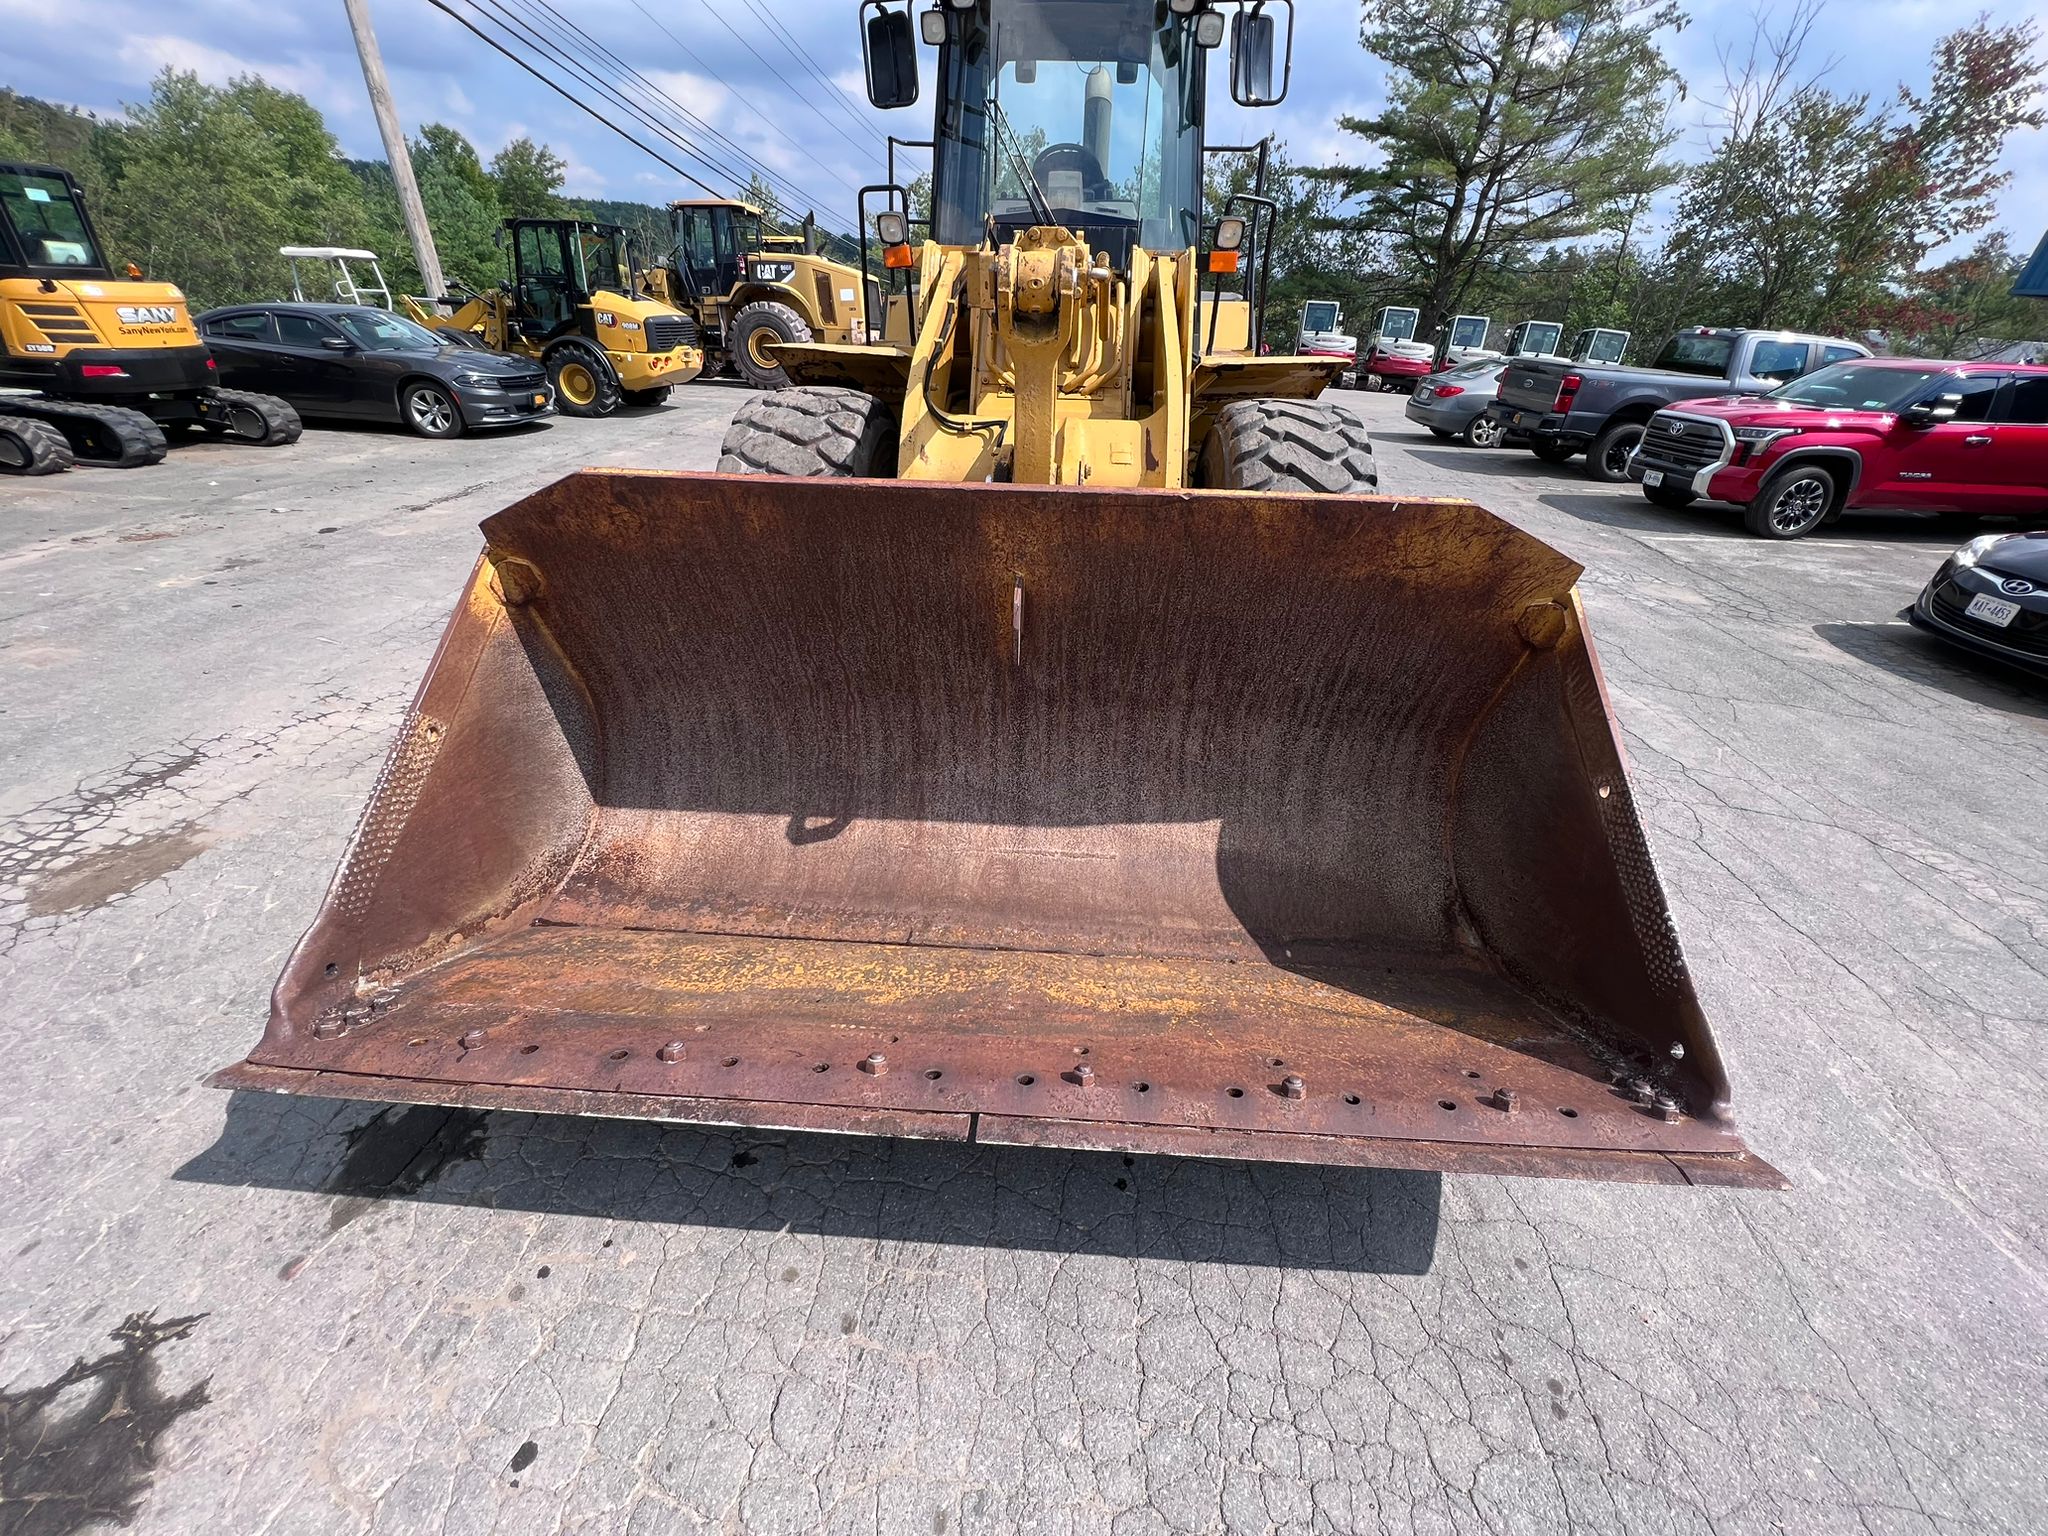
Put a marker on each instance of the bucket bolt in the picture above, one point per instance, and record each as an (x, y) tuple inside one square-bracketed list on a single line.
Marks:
[(874, 1064), (1505, 1100), (473, 1039), (1292, 1086), (671, 1052), (1643, 1091), (329, 1026), (1085, 1075), (1667, 1109)]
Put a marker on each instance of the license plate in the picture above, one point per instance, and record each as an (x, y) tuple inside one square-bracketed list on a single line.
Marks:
[(1653, 477), (1992, 610), (1424, 391)]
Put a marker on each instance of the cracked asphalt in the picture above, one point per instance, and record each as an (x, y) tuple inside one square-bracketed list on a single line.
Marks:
[(260, 1314)]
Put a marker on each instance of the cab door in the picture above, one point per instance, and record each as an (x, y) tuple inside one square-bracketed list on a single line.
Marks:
[(1950, 466), (697, 251), (2019, 447), (541, 286)]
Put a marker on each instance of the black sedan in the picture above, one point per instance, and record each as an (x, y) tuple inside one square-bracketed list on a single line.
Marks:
[(1991, 596), (348, 360)]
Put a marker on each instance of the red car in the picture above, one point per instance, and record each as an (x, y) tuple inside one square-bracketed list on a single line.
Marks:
[(1964, 438)]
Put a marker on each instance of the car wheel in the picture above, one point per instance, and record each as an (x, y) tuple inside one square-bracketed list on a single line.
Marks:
[(1607, 460), (1482, 431), (1675, 497), (430, 410), (1792, 504)]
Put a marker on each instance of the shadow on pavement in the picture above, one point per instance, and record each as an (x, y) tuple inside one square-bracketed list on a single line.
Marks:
[(1918, 657), (1483, 461), (1188, 1210)]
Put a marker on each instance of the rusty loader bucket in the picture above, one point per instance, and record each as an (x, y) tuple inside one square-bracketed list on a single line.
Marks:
[(1195, 822)]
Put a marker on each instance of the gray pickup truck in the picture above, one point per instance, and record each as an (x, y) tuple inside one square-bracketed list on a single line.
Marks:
[(1598, 409)]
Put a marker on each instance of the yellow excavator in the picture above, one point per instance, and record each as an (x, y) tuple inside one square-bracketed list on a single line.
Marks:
[(1038, 735), (111, 365), (750, 291), (571, 305)]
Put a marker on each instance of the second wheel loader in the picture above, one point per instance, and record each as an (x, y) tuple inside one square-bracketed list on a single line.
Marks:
[(751, 291), (1037, 737), (570, 304)]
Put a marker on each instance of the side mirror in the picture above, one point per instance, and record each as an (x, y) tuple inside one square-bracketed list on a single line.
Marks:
[(1126, 71), (1931, 413), (889, 52), (336, 344), (1254, 47)]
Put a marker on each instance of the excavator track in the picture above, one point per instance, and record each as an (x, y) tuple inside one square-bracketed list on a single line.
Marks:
[(242, 416), (30, 447), (111, 436)]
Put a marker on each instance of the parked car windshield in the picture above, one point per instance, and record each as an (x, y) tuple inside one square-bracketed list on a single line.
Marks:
[(1855, 387), (375, 332), (1704, 355)]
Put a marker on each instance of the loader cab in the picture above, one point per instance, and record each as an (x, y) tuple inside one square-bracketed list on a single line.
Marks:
[(1082, 113), (712, 243), (45, 232), (557, 264)]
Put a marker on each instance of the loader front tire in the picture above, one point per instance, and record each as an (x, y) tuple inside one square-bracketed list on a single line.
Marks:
[(584, 382), (754, 331), (1291, 446), (811, 430)]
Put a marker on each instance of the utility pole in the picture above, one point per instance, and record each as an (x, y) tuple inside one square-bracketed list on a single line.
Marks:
[(409, 204)]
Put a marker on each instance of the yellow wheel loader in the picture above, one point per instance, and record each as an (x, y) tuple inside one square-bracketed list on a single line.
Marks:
[(571, 305), (1039, 739), (751, 291), (113, 364)]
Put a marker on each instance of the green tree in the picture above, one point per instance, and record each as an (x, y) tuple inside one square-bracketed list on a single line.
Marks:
[(209, 181), (461, 202), (528, 177), (1816, 209), (1509, 125)]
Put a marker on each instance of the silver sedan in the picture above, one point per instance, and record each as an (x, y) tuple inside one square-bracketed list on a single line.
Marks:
[(1452, 404)]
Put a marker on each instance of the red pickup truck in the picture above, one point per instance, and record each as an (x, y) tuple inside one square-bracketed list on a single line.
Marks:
[(1961, 438)]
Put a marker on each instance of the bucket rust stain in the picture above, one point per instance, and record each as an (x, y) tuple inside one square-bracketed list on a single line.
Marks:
[(70, 1461), (106, 874)]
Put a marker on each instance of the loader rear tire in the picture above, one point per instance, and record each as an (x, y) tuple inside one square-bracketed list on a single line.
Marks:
[(757, 326), (1291, 446), (811, 430), (584, 382), (32, 448)]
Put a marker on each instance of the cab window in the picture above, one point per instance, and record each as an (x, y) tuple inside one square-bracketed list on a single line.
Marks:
[(254, 326), (1837, 355), (48, 221), (302, 330), (2029, 405), (1780, 360), (1974, 396), (540, 251)]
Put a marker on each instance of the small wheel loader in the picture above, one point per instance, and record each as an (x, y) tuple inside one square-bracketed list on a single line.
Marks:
[(751, 291), (1036, 735), (114, 363), (571, 306)]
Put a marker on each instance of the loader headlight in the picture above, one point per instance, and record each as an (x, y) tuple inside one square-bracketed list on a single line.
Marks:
[(932, 26), (1182, 7), (1208, 29), (892, 228), (1229, 234)]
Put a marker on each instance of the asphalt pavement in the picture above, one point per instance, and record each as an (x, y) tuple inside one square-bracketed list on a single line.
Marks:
[(259, 1314)]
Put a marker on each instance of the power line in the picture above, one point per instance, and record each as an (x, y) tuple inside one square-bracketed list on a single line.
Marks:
[(713, 12), (525, 35), (606, 60), (836, 93)]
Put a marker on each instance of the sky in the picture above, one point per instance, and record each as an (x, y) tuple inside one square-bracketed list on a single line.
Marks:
[(816, 130)]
